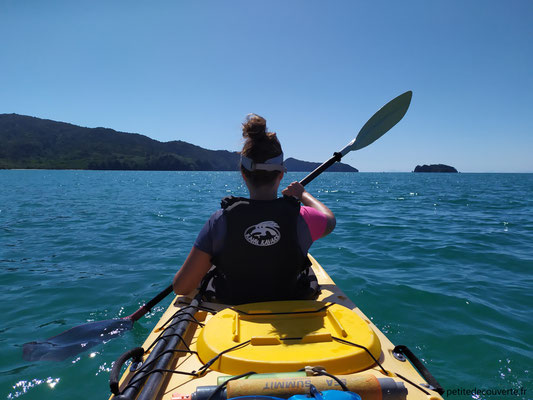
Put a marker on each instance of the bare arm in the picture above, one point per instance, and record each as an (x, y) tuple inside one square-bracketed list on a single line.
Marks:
[(192, 271), (296, 189)]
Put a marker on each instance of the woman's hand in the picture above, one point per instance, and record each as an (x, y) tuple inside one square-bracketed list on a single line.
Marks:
[(295, 189)]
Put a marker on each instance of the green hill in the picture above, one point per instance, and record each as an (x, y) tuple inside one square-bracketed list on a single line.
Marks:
[(34, 143)]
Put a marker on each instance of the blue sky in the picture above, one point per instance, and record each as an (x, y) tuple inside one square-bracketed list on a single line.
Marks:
[(316, 70)]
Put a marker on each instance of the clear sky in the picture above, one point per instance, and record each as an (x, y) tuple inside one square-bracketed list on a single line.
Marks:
[(316, 70)]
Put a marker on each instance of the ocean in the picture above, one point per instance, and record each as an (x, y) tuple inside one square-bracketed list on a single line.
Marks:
[(440, 262)]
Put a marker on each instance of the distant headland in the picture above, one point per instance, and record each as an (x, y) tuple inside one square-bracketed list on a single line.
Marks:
[(435, 168), (34, 143)]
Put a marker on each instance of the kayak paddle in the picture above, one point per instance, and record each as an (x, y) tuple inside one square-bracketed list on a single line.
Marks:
[(380, 123), (85, 336)]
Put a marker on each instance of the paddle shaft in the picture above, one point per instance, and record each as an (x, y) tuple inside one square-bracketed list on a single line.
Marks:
[(381, 122), (336, 157), (145, 308)]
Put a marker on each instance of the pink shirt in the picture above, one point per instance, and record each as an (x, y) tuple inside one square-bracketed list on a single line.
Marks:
[(316, 221)]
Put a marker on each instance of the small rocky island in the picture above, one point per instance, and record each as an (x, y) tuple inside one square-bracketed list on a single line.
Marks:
[(435, 168)]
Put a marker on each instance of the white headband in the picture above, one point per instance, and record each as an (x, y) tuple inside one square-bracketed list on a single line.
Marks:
[(272, 164)]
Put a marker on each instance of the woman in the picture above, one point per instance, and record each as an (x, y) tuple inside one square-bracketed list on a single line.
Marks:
[(258, 245)]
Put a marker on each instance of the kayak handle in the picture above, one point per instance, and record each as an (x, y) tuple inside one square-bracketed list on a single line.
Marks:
[(136, 354), (430, 379)]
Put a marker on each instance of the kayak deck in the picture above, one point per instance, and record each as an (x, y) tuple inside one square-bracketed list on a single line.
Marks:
[(266, 338)]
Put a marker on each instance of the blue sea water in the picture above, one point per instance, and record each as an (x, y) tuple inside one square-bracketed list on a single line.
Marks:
[(440, 262)]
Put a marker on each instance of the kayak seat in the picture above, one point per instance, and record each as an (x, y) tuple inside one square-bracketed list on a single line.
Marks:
[(285, 336)]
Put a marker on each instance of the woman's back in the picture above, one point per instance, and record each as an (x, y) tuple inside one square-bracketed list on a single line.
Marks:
[(261, 258)]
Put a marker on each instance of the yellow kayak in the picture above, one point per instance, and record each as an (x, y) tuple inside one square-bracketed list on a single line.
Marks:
[(203, 350)]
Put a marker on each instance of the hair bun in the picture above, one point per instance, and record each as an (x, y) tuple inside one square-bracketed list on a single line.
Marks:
[(254, 127)]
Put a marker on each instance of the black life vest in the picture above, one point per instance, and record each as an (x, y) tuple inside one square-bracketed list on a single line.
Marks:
[(261, 259)]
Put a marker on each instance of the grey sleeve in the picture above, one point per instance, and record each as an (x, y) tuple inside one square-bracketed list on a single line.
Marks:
[(211, 237)]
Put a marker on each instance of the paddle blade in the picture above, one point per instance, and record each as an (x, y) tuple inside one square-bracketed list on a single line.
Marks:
[(75, 341), (381, 122)]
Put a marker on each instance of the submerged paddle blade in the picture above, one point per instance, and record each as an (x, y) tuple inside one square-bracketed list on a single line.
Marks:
[(75, 340), (83, 337), (381, 122)]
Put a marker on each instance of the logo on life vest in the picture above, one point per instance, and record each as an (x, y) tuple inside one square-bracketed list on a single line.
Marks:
[(265, 233)]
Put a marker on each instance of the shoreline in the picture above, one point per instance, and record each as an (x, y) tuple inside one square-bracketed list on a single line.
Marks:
[(328, 172)]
